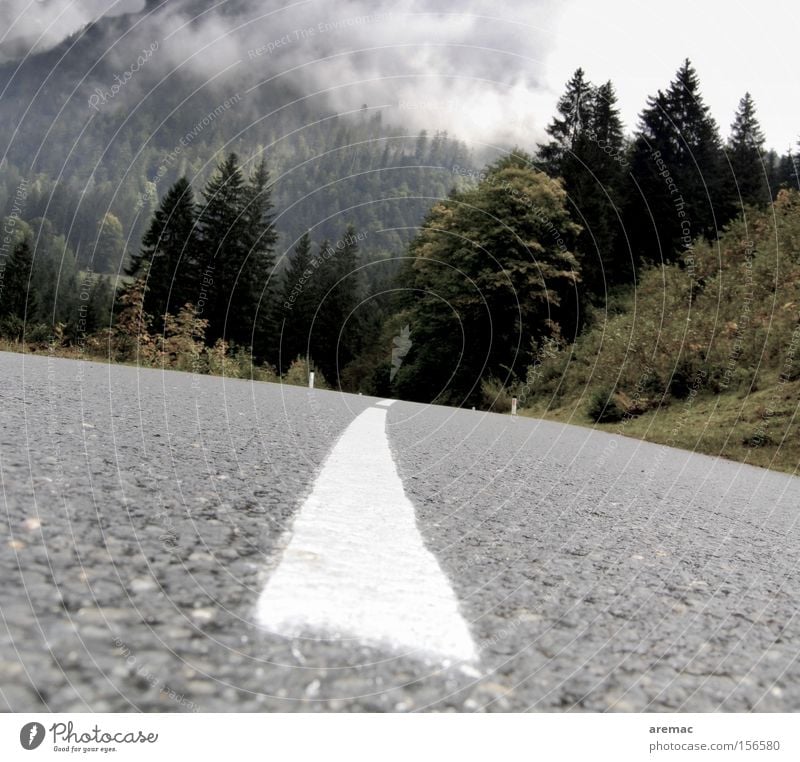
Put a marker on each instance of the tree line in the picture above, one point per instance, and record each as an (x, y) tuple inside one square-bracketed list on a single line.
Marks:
[(217, 257), (501, 270), (544, 244), (346, 162)]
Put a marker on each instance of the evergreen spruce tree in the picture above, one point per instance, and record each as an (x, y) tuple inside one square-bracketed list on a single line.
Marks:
[(587, 151), (170, 251), (297, 304), (224, 244), (680, 187), (253, 312), (789, 172), (16, 299), (605, 259), (335, 337), (746, 155), (567, 128), (779, 170), (349, 294)]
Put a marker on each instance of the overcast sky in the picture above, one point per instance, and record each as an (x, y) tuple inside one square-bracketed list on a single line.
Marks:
[(52, 20), (492, 70), (735, 46)]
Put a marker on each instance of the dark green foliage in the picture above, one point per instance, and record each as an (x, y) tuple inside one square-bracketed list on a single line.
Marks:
[(17, 300), (256, 286), (297, 305), (604, 407), (492, 267), (587, 151), (498, 268), (746, 155), (44, 290), (568, 126), (217, 256), (334, 162), (681, 381), (781, 172), (98, 313), (680, 185), (224, 237), (335, 333), (170, 254)]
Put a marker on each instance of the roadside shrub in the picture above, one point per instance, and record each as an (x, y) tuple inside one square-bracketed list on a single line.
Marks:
[(680, 383), (495, 396), (297, 375), (653, 387), (605, 406), (41, 334), (181, 345)]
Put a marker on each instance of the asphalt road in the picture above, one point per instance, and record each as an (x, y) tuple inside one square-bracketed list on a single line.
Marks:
[(143, 513)]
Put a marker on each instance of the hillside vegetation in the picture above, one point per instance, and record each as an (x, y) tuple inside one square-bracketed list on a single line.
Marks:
[(704, 353)]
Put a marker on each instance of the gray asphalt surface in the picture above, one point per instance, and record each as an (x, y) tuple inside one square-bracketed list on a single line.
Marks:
[(143, 510)]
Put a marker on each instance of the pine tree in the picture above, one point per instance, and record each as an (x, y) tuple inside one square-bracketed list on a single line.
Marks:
[(604, 260), (567, 129), (323, 330), (297, 304), (170, 251), (606, 123), (335, 337), (746, 155), (255, 290), (17, 300), (587, 152), (679, 185), (788, 172), (224, 244), (349, 294)]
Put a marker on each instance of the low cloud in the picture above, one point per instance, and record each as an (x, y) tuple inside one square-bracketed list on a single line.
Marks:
[(474, 69), (35, 25)]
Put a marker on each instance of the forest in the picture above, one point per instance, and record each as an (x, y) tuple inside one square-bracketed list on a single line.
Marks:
[(609, 271)]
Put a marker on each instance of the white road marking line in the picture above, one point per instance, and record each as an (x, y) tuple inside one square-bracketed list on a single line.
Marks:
[(356, 565), (385, 403)]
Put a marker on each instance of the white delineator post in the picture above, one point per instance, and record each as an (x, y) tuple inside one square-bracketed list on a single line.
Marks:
[(311, 380), (513, 406)]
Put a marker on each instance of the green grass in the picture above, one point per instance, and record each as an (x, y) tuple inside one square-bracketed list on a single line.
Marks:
[(761, 428)]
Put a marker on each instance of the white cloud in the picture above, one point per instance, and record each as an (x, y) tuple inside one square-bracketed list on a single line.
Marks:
[(43, 23), (475, 71)]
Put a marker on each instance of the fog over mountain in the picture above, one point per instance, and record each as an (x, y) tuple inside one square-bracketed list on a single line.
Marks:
[(474, 70), (105, 104), (35, 25)]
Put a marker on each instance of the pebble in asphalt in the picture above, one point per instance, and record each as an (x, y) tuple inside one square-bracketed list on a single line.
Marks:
[(144, 512)]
